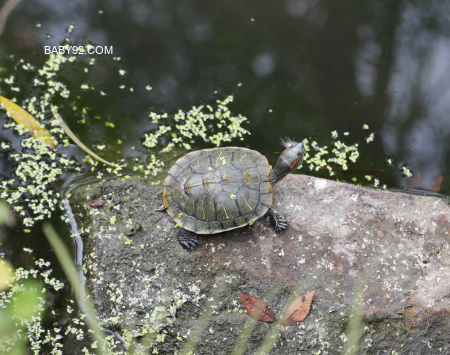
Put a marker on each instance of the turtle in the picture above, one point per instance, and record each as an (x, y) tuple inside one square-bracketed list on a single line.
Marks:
[(214, 190)]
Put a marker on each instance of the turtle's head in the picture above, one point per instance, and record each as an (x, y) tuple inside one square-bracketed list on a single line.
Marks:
[(289, 160)]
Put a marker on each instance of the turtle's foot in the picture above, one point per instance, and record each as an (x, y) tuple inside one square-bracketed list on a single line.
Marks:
[(187, 239), (277, 220), (161, 209)]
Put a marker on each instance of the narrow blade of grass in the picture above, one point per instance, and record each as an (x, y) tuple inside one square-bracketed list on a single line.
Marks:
[(202, 322), (65, 259), (355, 323), (66, 129)]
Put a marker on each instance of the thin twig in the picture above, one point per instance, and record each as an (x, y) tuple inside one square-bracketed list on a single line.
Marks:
[(5, 11)]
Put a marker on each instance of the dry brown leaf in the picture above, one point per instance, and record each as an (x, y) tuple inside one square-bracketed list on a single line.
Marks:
[(96, 203), (435, 185), (257, 308), (417, 183), (299, 309)]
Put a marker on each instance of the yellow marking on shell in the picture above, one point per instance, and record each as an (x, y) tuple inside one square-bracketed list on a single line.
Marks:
[(166, 203), (251, 209), (218, 157), (242, 157), (166, 180), (225, 212)]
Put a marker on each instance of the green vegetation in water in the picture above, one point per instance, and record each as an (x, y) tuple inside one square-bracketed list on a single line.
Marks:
[(22, 306), (342, 154), (32, 193), (196, 123)]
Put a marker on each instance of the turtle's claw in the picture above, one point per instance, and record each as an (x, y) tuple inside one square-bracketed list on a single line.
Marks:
[(280, 224), (278, 221), (161, 209), (188, 240)]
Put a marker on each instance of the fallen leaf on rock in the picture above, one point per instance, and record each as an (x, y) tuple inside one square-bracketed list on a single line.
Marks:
[(23, 118), (96, 203), (299, 309), (257, 308)]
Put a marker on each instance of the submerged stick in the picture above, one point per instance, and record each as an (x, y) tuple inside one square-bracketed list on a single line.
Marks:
[(5, 11)]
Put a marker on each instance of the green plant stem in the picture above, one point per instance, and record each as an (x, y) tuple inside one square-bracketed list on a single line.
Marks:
[(355, 323), (198, 329), (70, 268), (66, 129)]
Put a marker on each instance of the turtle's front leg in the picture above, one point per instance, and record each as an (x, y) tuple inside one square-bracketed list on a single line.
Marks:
[(187, 239), (277, 220)]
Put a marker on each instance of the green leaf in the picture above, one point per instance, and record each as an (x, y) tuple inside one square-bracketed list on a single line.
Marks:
[(27, 301)]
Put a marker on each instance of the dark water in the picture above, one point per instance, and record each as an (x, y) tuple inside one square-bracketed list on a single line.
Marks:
[(318, 65)]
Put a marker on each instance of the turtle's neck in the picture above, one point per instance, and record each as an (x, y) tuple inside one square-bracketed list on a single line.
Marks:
[(277, 174)]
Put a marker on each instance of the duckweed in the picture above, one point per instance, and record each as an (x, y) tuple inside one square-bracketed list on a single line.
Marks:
[(200, 122), (342, 154)]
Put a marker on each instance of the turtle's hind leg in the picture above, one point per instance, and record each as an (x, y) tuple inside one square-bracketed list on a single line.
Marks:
[(187, 239), (277, 220), (161, 209)]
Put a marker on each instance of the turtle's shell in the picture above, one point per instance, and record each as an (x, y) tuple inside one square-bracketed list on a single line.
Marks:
[(214, 190)]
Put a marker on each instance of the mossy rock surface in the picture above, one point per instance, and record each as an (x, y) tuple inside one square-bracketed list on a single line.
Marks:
[(394, 246)]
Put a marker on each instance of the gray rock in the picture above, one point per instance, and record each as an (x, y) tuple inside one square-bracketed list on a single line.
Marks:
[(375, 257)]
